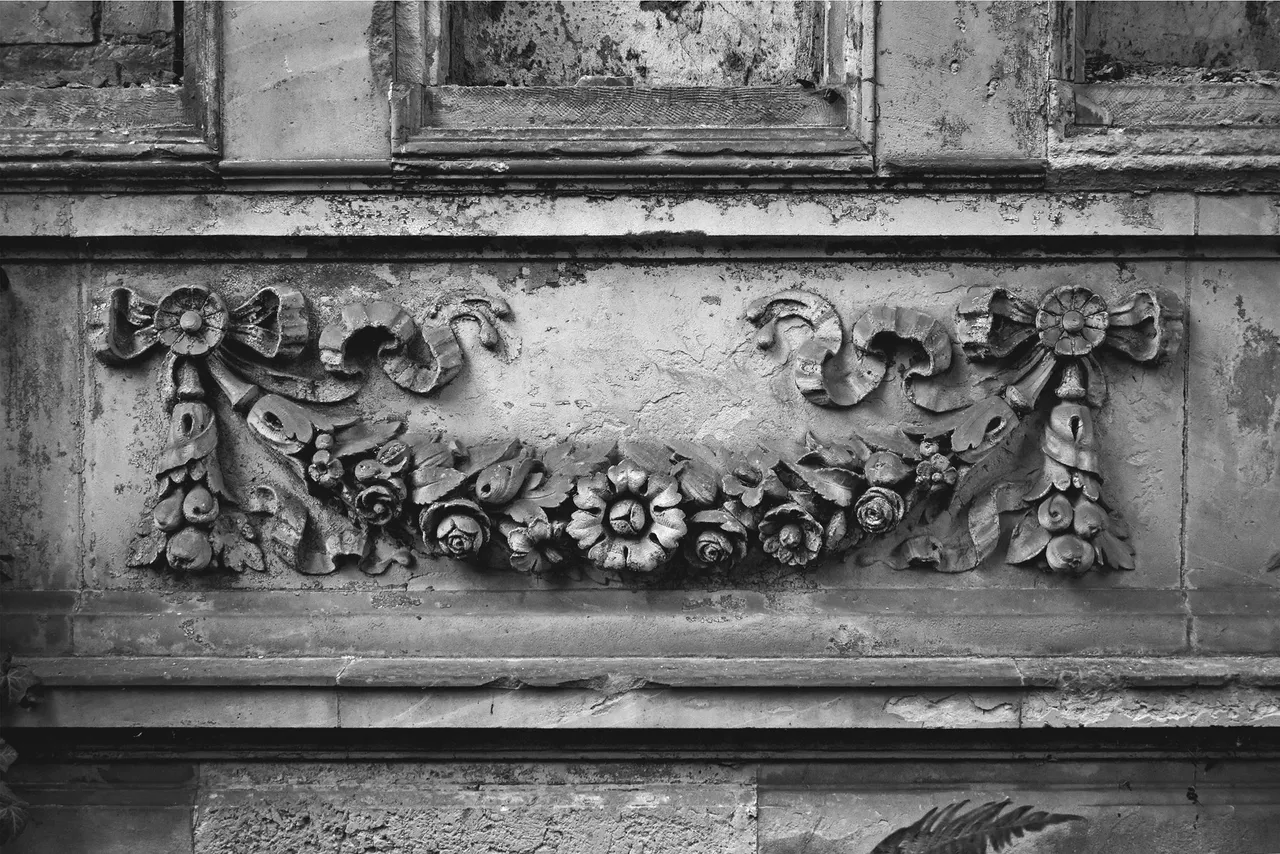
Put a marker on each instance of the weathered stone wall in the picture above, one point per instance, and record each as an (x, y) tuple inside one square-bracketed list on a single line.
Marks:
[(392, 703)]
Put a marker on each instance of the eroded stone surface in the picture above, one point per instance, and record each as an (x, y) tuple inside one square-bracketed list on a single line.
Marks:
[(492, 808)]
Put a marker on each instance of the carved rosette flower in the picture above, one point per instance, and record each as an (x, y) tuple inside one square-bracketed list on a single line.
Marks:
[(718, 540), (791, 535), (1072, 321), (628, 519), (535, 547), (457, 528), (879, 510), (191, 321)]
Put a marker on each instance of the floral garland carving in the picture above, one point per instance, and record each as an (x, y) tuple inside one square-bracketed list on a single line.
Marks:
[(383, 493)]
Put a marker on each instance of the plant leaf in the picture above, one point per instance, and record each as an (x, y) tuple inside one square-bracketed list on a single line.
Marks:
[(14, 815), (434, 482), (8, 756), (948, 831), (16, 680)]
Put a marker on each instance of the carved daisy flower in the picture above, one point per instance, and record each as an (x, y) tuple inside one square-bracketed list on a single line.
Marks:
[(628, 519)]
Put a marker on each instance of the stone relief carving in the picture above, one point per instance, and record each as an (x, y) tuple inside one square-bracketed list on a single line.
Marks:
[(382, 493)]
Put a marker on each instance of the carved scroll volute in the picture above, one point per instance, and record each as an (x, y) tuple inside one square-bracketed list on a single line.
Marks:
[(443, 355)]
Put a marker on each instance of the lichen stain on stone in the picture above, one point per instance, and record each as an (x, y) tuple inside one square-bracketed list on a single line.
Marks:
[(951, 130), (1255, 381)]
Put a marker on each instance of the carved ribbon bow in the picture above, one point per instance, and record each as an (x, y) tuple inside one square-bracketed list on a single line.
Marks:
[(201, 337)]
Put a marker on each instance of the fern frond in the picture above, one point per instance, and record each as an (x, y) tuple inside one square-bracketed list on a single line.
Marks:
[(948, 831)]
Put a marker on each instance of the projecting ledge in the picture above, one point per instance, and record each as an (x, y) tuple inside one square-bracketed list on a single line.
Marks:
[(655, 693)]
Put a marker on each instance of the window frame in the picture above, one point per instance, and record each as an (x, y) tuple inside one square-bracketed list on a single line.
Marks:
[(170, 125), (1135, 127), (420, 61)]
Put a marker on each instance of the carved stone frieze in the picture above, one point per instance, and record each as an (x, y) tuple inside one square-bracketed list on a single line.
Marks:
[(378, 493)]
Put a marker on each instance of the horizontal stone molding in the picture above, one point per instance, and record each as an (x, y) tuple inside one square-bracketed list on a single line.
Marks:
[(608, 674)]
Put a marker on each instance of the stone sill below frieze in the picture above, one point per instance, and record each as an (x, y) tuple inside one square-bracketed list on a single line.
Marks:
[(701, 215), (658, 623), (955, 694), (633, 216)]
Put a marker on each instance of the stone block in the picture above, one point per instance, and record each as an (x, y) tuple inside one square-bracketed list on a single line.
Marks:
[(1233, 417), (295, 68), (136, 17), (1128, 807), (35, 22), (423, 807), (961, 85), (127, 807), (41, 403)]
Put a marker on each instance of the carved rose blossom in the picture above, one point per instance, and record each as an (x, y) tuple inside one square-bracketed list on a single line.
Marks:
[(628, 519), (458, 528), (791, 535), (535, 547), (719, 540), (379, 502), (879, 510)]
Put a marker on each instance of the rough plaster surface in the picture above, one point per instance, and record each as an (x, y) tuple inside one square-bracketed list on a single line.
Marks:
[(657, 44), (1233, 443), (961, 80), (1218, 34), (410, 807)]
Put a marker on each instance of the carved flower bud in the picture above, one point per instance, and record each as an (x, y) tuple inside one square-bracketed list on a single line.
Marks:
[(502, 482), (1090, 519), (879, 510), (325, 470), (324, 441), (928, 448), (535, 547), (460, 536), (936, 472), (200, 507), (885, 469), (1068, 553), (1055, 513), (378, 503), (168, 513), (189, 550), (394, 456), (368, 471)]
